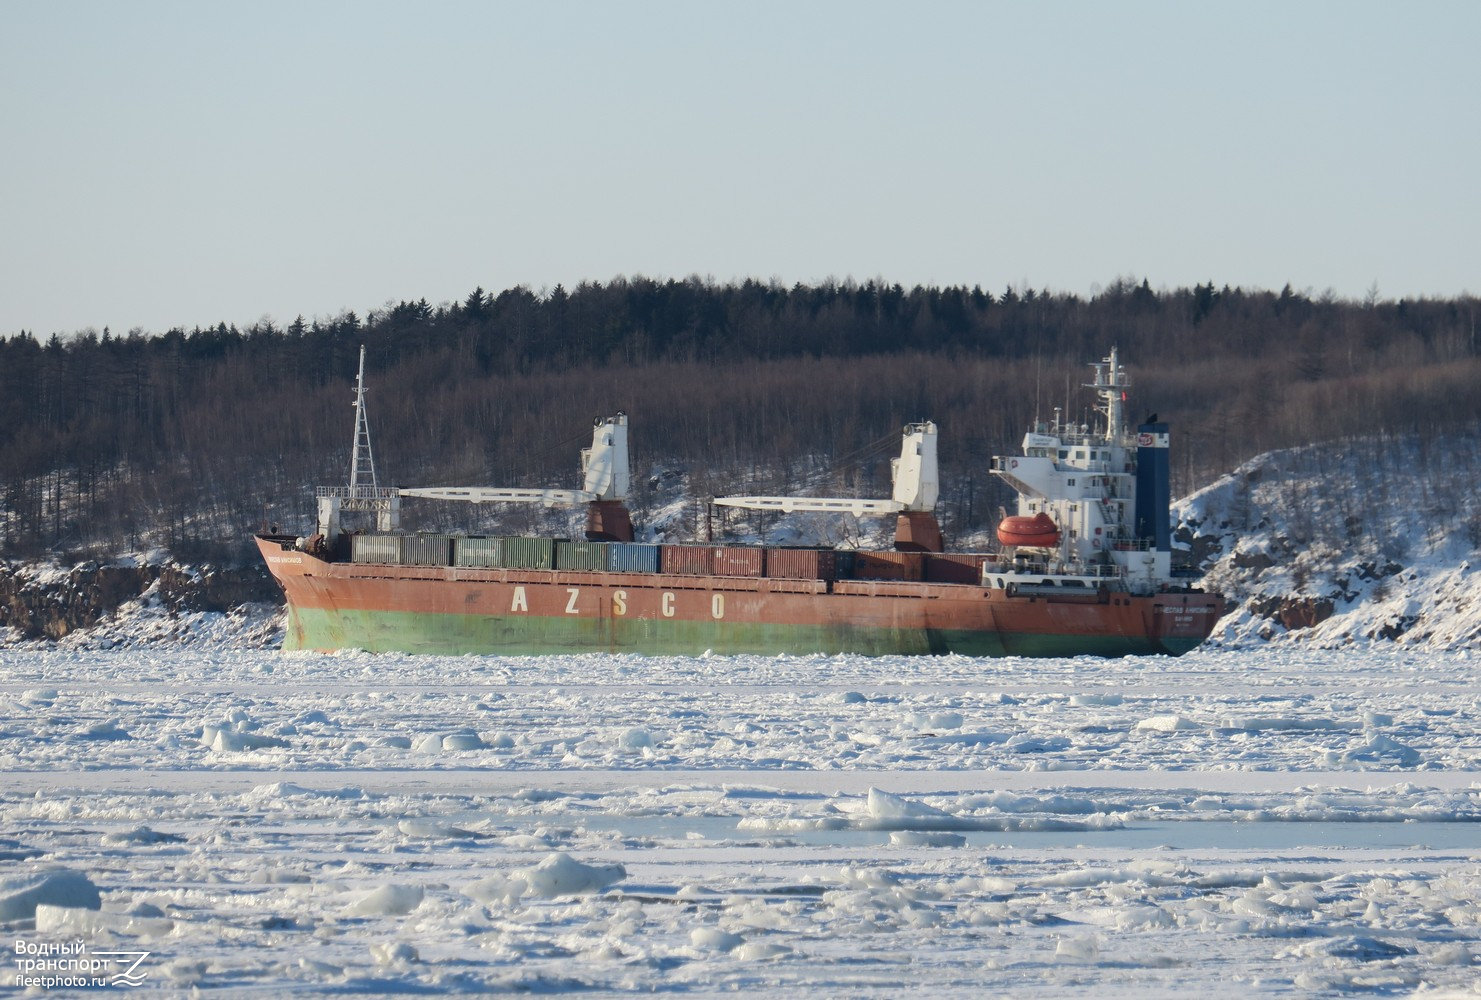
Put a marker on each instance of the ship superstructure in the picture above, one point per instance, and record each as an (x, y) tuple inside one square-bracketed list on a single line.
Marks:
[(1106, 490)]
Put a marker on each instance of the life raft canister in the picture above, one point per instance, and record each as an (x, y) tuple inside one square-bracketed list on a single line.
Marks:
[(1038, 531)]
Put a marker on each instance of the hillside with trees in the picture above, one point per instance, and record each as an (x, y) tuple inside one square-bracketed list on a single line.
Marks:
[(191, 439)]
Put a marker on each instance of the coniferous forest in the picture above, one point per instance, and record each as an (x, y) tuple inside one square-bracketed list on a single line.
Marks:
[(192, 439)]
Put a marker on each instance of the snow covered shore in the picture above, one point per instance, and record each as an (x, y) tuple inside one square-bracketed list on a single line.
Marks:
[(1340, 544), (1269, 821)]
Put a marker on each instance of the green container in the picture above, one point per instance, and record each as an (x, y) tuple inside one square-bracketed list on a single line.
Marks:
[(426, 550), (520, 552), (591, 557), (477, 552), (375, 549)]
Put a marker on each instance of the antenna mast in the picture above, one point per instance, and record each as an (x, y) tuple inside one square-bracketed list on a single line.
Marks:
[(362, 460), (363, 493), (1111, 384)]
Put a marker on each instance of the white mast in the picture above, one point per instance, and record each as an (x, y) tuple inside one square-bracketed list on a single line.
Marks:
[(362, 461), (1111, 384), (363, 492)]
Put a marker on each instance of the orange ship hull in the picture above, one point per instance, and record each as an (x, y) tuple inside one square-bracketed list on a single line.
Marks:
[(460, 610)]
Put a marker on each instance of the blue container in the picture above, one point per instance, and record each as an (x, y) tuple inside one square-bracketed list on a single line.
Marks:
[(633, 557)]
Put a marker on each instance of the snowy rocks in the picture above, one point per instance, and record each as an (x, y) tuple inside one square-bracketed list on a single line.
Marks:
[(1293, 613), (919, 838), (1080, 950), (53, 602), (1166, 724), (496, 890), (393, 953), (227, 740), (105, 731), (933, 722), (140, 836), (20, 894), (455, 742), (558, 875), (421, 828), (714, 939), (760, 951), (888, 809), (39, 697), (237, 733), (1095, 700), (563, 875), (718, 941), (1378, 749), (636, 739), (81, 921), (278, 791), (387, 901)]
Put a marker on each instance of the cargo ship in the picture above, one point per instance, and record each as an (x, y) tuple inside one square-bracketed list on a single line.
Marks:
[(1084, 566)]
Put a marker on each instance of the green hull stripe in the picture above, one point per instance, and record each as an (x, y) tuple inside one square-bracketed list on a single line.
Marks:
[(456, 634)]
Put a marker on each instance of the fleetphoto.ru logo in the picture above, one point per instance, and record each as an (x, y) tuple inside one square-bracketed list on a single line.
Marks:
[(48, 965)]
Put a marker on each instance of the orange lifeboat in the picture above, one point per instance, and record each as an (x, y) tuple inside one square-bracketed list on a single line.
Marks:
[(1039, 531)]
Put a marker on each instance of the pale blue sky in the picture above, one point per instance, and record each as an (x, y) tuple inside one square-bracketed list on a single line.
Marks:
[(184, 163)]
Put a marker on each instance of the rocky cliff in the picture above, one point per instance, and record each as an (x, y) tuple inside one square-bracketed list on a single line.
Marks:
[(51, 602), (1369, 540)]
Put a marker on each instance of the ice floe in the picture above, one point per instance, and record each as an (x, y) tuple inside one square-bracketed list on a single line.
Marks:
[(1257, 823)]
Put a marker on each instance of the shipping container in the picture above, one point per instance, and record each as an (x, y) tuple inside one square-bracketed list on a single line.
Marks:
[(426, 550), (954, 567), (633, 557), (801, 564), (843, 564), (375, 549), (591, 557), (889, 565), (521, 552), (733, 560), (476, 551), (688, 560)]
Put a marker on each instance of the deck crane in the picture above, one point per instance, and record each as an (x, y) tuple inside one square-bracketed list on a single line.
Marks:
[(916, 488), (607, 480), (604, 465)]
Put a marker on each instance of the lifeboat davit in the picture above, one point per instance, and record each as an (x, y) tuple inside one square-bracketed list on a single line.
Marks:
[(1038, 532)]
